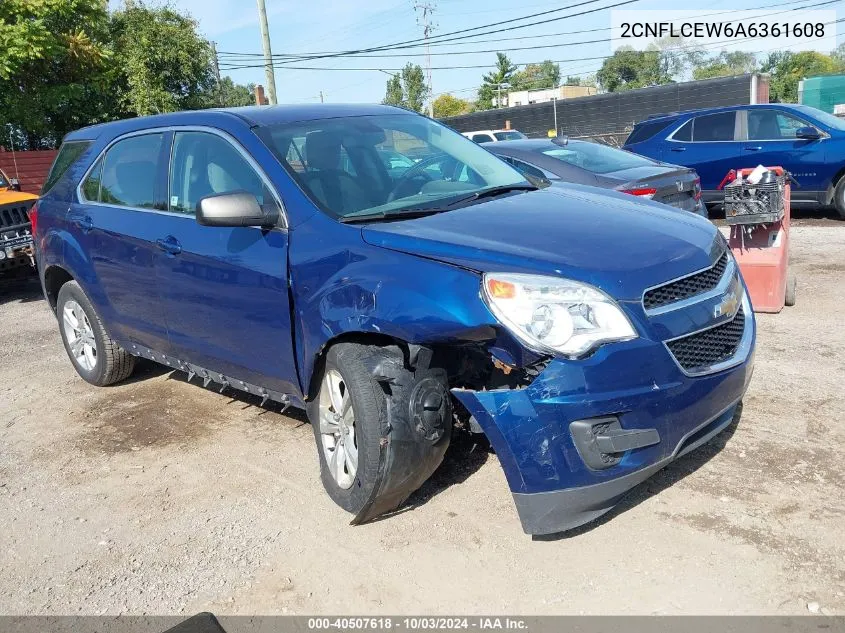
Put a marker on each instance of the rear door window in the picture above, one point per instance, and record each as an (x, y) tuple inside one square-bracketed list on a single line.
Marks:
[(68, 154), (714, 127), (130, 171), (91, 186)]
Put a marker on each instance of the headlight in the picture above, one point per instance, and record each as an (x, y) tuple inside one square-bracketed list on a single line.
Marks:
[(554, 314)]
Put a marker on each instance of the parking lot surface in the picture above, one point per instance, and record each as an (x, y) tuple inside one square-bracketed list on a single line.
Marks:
[(158, 496)]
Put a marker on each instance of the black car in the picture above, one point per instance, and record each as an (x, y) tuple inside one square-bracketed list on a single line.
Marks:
[(599, 165)]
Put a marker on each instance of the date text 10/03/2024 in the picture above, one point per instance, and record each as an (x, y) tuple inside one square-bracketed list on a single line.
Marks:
[(418, 623)]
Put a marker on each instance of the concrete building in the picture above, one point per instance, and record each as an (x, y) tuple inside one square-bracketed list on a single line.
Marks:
[(525, 97)]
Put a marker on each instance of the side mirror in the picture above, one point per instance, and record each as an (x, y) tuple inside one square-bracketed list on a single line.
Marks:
[(239, 208), (807, 133), (14, 184)]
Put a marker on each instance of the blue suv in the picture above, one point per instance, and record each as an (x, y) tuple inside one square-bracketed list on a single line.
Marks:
[(591, 336), (809, 143)]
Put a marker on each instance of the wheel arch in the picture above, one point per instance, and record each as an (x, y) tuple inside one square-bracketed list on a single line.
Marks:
[(831, 187), (315, 373), (55, 276)]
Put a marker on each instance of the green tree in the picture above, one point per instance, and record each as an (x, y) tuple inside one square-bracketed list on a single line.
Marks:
[(447, 105), (54, 56), (407, 89), (536, 77), (394, 95), (627, 69), (491, 81), (787, 69), (231, 95), (165, 64), (838, 54), (675, 57), (726, 64)]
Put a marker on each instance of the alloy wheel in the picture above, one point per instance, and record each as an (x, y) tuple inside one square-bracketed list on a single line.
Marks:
[(79, 335), (337, 429)]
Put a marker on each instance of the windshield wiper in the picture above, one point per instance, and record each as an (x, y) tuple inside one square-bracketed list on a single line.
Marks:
[(415, 212), (391, 215), (492, 192)]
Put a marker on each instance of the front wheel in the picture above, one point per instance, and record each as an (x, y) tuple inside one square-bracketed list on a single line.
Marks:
[(380, 433), (839, 198), (96, 357)]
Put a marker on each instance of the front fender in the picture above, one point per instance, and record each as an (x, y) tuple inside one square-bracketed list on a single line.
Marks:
[(342, 285)]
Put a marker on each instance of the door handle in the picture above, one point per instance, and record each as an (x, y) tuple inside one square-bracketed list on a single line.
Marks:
[(753, 148), (169, 245), (84, 222), (679, 149)]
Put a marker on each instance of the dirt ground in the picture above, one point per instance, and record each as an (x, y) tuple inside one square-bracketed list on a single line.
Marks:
[(162, 497)]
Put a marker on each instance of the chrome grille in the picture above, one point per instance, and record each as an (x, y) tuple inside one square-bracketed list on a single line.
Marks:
[(686, 287), (698, 352), (14, 215)]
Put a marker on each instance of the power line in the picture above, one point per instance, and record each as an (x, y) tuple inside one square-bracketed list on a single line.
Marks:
[(570, 72), (556, 45), (439, 38), (711, 46)]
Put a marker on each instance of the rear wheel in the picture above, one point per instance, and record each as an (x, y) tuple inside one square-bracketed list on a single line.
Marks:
[(95, 356)]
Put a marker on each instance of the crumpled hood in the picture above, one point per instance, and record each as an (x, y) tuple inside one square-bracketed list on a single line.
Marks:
[(616, 242)]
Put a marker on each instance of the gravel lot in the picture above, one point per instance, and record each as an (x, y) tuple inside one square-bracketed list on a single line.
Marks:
[(162, 497)]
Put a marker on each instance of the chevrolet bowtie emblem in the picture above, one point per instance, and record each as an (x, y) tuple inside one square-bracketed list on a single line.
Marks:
[(728, 305)]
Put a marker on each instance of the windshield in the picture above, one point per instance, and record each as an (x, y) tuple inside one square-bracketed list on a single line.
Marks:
[(512, 135), (3, 182), (823, 117), (597, 158), (362, 165)]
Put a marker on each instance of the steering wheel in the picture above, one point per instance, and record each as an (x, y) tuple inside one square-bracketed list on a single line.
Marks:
[(415, 172)]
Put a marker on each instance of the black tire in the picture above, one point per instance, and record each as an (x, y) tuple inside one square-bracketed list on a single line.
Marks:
[(371, 424), (112, 363), (791, 284), (839, 198), (398, 446)]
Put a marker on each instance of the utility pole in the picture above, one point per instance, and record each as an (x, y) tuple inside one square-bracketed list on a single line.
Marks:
[(427, 8), (321, 96), (268, 54), (216, 63), (499, 92)]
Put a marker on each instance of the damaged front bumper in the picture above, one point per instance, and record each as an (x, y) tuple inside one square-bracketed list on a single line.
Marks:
[(629, 399)]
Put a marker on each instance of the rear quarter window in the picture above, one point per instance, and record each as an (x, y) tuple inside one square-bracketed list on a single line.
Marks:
[(684, 133), (68, 154), (645, 131)]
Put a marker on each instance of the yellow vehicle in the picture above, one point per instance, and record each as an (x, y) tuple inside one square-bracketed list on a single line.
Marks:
[(16, 247)]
